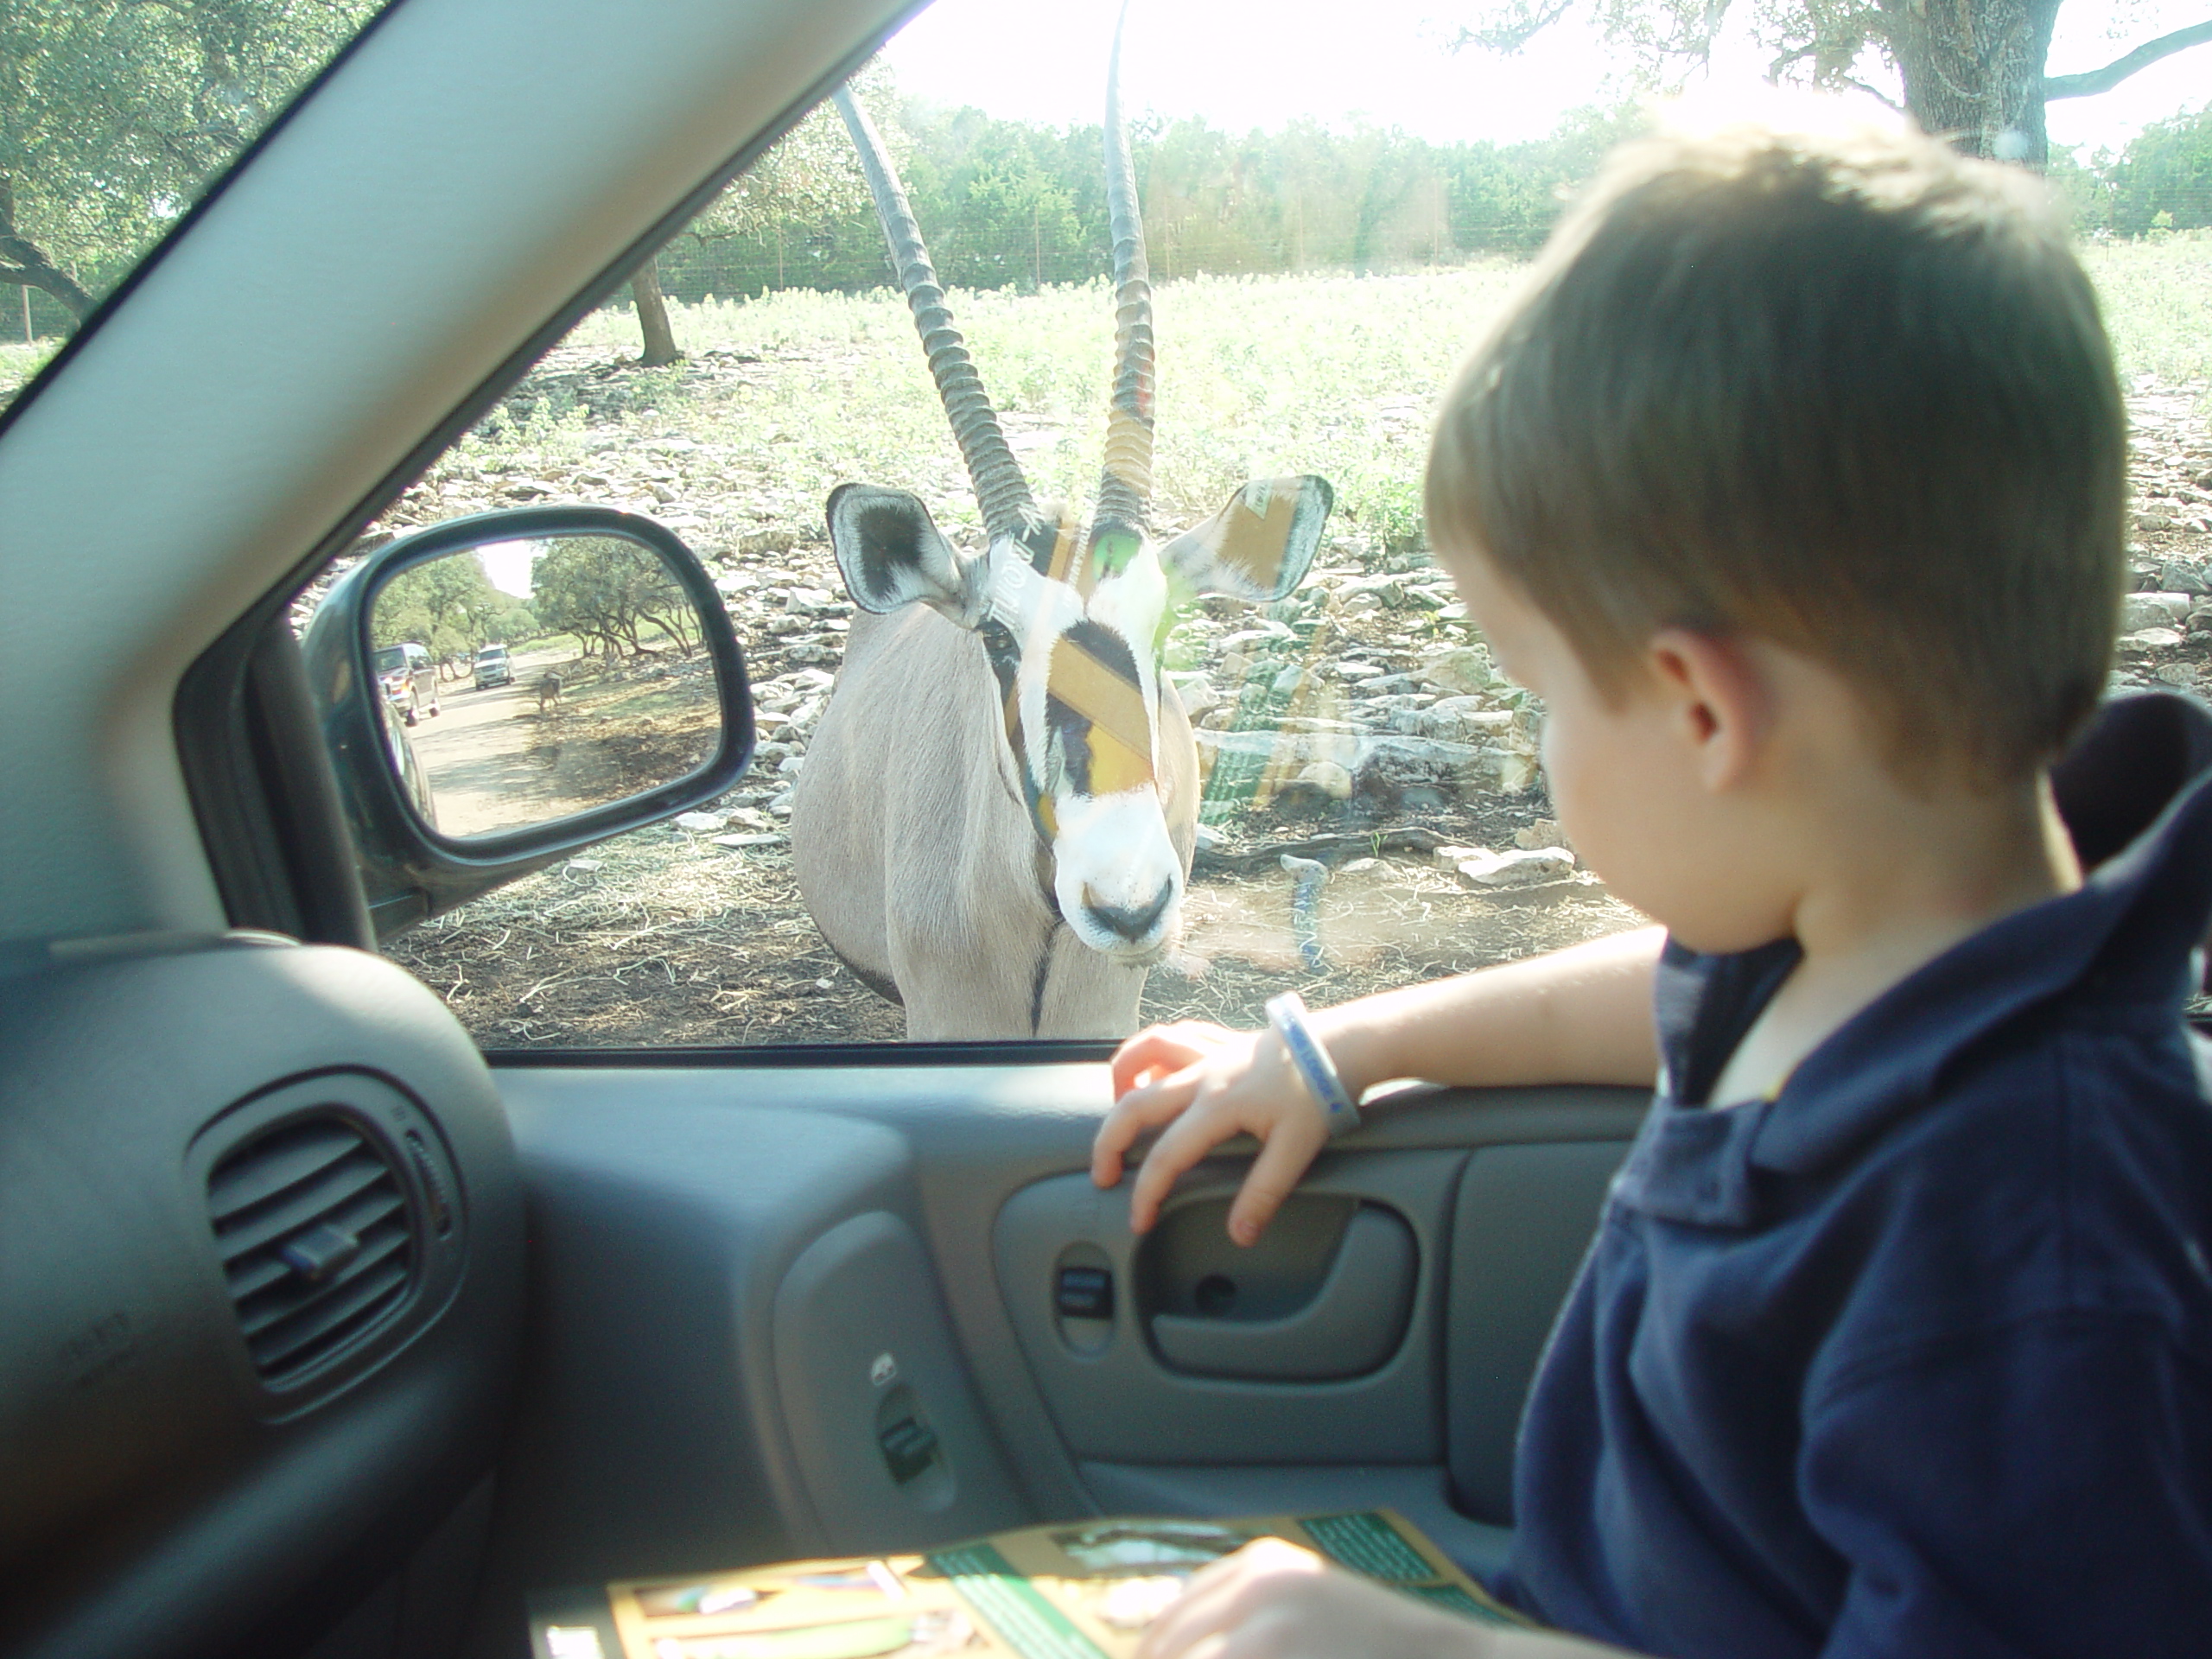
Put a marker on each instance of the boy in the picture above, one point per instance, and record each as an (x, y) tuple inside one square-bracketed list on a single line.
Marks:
[(1793, 486)]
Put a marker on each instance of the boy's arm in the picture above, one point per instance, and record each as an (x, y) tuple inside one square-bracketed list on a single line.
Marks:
[(1578, 1015)]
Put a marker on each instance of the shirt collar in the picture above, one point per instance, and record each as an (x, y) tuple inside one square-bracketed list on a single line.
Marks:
[(2136, 795)]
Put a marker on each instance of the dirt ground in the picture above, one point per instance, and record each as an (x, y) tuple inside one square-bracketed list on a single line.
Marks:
[(666, 936), (503, 758)]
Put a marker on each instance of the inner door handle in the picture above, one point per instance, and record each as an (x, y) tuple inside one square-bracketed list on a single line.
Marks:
[(1353, 1325)]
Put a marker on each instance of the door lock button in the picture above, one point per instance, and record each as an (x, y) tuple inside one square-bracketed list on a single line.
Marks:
[(1084, 1293)]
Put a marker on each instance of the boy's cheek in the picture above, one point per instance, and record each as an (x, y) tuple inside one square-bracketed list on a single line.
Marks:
[(1663, 845)]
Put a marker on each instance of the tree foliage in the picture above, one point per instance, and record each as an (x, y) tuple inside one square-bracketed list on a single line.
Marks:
[(1974, 69), (612, 594), (1005, 204), (449, 606), (2162, 180), (115, 114)]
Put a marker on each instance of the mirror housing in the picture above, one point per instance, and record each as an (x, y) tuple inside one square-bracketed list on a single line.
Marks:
[(410, 870)]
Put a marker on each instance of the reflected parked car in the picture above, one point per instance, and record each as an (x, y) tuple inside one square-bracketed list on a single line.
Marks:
[(409, 680), (493, 667), (408, 765)]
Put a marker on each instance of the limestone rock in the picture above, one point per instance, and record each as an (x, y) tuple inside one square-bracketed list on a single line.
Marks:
[(1522, 867), (2152, 611), (1462, 670), (2141, 642)]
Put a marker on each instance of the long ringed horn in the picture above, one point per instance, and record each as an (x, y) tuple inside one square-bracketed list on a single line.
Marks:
[(1125, 493), (1000, 490)]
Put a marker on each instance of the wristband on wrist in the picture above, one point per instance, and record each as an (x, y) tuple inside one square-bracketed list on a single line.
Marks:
[(1287, 1014)]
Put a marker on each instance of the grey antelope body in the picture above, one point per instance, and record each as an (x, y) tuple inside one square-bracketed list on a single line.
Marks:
[(994, 822)]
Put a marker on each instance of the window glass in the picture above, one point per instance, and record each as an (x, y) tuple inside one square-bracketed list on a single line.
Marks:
[(1331, 215), (115, 114)]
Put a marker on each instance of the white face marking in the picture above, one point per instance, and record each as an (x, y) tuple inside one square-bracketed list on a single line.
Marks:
[(1113, 854), (1115, 866)]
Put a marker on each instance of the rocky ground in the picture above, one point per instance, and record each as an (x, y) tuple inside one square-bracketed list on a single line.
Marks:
[(1372, 811)]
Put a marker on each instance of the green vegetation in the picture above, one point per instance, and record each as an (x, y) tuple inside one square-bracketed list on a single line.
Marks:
[(114, 115), (1258, 376), (2157, 304), (1004, 204), (611, 593), (2162, 182), (450, 607)]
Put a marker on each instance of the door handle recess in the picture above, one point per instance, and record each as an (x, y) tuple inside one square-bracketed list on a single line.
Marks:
[(1353, 1325)]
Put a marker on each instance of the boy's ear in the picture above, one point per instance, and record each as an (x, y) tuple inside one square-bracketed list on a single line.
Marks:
[(1258, 547), (891, 553), (1722, 701)]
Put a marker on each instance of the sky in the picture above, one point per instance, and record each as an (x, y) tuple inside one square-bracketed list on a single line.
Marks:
[(1258, 63)]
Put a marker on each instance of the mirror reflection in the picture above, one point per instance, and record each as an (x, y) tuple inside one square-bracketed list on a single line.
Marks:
[(523, 681)]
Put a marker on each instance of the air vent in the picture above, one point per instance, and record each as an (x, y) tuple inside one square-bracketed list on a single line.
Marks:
[(313, 1225)]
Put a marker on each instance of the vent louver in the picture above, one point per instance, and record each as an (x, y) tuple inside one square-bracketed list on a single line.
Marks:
[(316, 1239)]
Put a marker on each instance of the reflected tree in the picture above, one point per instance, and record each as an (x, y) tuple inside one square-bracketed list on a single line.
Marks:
[(449, 606), (611, 593)]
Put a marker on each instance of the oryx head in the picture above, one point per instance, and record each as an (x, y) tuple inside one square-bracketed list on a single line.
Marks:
[(1072, 616)]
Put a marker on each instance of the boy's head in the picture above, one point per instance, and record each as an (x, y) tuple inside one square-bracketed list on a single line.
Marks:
[(1837, 388)]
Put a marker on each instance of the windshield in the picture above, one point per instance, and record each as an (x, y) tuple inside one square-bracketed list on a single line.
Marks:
[(115, 116), (390, 659)]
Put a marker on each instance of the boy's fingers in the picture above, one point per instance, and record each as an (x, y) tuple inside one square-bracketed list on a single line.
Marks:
[(1207, 1605), (1188, 1139), (1222, 1597), (1131, 1115), (1158, 1048), (1274, 1174)]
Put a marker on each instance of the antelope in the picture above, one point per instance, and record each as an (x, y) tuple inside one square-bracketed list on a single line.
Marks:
[(994, 822), (549, 693)]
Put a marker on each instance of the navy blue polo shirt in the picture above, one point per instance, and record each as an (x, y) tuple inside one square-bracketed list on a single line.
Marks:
[(1914, 1358)]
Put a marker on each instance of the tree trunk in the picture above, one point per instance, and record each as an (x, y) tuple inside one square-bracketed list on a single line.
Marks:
[(1973, 71), (22, 261), (653, 318)]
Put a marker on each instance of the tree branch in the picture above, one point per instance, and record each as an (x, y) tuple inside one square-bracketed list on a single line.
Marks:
[(1875, 92), (1513, 29), (2104, 80)]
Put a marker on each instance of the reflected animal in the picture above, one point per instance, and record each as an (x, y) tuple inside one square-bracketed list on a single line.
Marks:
[(994, 822), (549, 692)]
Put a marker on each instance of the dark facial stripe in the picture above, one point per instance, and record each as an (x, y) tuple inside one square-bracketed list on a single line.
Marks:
[(1104, 729)]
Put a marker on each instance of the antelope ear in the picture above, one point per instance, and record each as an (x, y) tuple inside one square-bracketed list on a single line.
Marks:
[(1259, 546), (891, 553)]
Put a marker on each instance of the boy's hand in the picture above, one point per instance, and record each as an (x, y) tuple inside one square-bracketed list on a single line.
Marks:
[(1207, 1084), (1274, 1600)]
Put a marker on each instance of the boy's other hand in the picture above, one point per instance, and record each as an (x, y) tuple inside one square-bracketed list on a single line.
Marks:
[(1206, 1084), (1273, 1600)]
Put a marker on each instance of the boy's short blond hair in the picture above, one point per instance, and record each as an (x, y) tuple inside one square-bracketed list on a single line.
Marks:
[(1837, 386)]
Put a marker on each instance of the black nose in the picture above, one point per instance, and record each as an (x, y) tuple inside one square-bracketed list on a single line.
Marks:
[(1131, 922)]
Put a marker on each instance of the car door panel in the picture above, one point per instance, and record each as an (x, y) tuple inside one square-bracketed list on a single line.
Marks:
[(725, 1251), (1125, 1401), (1521, 1225)]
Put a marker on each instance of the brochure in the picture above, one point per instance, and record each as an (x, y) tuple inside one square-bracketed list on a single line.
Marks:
[(1079, 1590)]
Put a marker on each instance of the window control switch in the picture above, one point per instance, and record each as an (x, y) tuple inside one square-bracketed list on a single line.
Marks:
[(1084, 1293), (909, 1447)]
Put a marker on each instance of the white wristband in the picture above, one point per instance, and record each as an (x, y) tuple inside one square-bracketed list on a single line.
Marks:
[(1287, 1014)]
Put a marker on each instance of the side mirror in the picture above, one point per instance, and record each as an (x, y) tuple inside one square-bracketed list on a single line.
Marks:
[(604, 690)]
